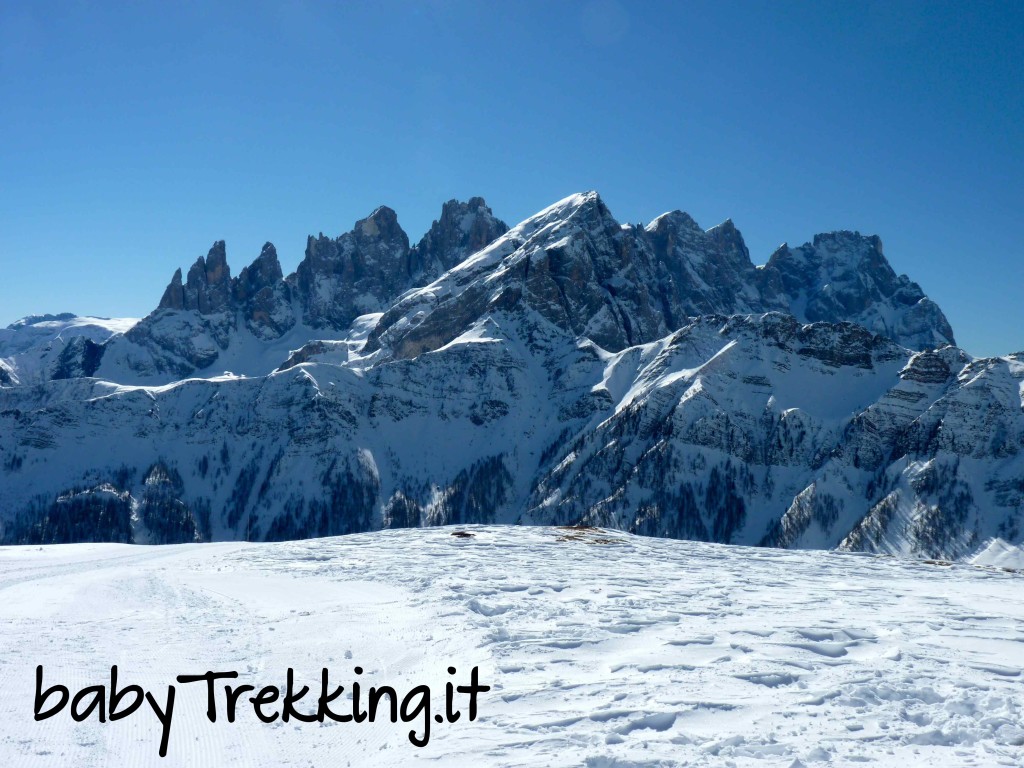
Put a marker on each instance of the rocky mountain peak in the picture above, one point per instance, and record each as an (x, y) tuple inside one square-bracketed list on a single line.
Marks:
[(673, 222), (268, 253), (382, 224), (835, 254), (571, 264), (845, 275), (342, 278), (217, 263), (263, 297), (174, 293), (587, 206), (729, 242), (207, 288), (462, 230), (264, 272), (571, 210), (702, 272), (845, 239)]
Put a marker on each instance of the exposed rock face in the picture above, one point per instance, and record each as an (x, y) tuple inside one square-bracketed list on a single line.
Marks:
[(928, 368), (208, 287), (588, 274), (462, 230), (340, 279), (174, 293), (80, 357), (365, 269), (196, 321), (192, 323), (572, 263), (262, 274), (702, 272), (359, 272), (263, 297)]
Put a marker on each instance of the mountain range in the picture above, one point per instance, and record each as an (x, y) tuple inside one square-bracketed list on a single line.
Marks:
[(568, 370)]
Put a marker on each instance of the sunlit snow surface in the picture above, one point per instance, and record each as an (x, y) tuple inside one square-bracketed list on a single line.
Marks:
[(602, 649)]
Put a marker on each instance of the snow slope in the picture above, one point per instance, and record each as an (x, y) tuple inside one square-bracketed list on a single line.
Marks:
[(998, 554), (601, 649), (31, 347)]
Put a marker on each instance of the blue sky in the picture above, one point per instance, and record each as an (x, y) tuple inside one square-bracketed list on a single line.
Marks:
[(133, 137)]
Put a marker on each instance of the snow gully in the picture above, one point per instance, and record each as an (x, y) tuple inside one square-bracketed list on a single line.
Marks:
[(122, 702)]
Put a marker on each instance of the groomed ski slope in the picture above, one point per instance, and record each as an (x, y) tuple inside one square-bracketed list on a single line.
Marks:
[(602, 649)]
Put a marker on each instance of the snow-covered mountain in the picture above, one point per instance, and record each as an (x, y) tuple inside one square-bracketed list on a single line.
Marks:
[(570, 369), (623, 285)]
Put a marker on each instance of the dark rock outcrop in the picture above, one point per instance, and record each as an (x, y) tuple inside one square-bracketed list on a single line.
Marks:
[(263, 297), (462, 230), (342, 278)]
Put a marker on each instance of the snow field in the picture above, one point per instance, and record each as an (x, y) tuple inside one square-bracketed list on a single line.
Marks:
[(601, 649)]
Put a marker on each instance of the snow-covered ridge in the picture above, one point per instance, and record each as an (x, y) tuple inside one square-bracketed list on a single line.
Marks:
[(32, 348), (622, 285), (746, 430), (617, 285)]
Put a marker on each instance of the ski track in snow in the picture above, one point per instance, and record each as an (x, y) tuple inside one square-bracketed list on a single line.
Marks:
[(602, 649)]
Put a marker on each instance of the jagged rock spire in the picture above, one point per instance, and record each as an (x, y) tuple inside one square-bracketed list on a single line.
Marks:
[(207, 288), (342, 278), (462, 230), (174, 293), (264, 272), (263, 297)]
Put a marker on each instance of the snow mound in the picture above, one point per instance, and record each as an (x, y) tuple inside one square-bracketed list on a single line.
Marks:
[(1000, 554)]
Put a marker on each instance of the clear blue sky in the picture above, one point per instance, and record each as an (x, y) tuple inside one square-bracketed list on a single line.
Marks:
[(134, 135)]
